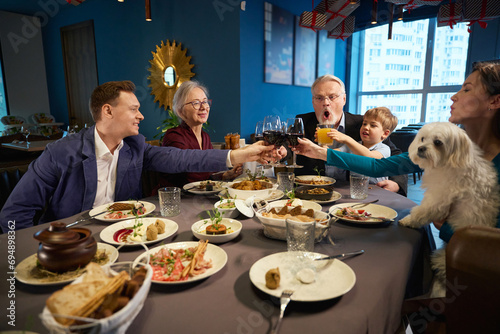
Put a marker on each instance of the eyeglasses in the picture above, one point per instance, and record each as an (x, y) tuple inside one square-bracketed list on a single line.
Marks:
[(331, 98), (197, 104)]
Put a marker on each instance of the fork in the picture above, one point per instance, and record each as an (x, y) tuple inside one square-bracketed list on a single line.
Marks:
[(284, 300)]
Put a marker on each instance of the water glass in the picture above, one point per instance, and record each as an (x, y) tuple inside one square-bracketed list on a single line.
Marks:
[(300, 235), (286, 181), (359, 186), (170, 201)]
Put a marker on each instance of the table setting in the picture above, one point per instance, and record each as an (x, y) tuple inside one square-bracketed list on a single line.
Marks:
[(365, 278)]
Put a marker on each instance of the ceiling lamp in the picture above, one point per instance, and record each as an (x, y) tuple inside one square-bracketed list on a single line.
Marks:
[(148, 10), (374, 12)]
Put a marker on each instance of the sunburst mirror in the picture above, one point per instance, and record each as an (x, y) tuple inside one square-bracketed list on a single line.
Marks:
[(169, 69)]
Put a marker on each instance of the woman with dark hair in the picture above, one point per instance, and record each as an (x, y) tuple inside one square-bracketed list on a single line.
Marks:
[(476, 106)]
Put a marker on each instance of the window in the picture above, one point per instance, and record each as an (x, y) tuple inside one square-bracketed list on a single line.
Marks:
[(417, 83)]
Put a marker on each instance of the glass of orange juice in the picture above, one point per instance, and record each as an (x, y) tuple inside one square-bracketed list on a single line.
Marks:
[(322, 131)]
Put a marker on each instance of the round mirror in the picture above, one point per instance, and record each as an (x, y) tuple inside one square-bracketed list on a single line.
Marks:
[(170, 67), (169, 76)]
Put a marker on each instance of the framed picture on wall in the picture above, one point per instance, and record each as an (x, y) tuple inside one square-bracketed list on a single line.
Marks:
[(326, 54), (278, 45), (305, 55)]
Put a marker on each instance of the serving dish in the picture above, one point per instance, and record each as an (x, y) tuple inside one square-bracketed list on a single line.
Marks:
[(304, 180), (214, 253), (109, 234), (116, 323), (305, 204), (24, 270), (381, 213), (304, 192), (275, 228), (333, 278), (233, 230), (244, 194), (149, 207)]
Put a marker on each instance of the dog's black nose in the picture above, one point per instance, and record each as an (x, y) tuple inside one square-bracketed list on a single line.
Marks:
[(422, 149)]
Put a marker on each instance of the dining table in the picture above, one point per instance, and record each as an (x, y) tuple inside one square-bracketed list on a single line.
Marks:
[(33, 146), (394, 266)]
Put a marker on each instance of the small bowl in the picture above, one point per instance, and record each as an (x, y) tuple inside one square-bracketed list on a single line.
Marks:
[(198, 230), (245, 194), (301, 192), (275, 228), (227, 213)]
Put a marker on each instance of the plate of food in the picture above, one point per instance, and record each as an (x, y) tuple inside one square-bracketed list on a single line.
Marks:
[(281, 271), (314, 180), (171, 260), (363, 214), (133, 232), (117, 211), (29, 271), (207, 187)]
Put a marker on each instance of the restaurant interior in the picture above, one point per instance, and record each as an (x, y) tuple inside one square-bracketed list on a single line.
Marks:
[(223, 41)]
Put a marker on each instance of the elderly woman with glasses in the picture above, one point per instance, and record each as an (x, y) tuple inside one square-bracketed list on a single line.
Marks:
[(192, 106)]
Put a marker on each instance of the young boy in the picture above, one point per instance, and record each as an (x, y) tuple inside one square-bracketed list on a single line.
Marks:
[(378, 123)]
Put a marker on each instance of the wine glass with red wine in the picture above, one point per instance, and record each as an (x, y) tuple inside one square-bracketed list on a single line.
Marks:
[(294, 130), (272, 130)]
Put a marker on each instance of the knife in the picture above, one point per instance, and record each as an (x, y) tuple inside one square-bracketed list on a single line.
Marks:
[(359, 252), (84, 219)]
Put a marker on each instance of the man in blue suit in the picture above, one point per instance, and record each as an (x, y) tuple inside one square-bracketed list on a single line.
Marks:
[(104, 163)]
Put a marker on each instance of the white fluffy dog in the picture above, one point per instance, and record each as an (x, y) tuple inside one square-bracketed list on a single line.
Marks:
[(461, 186)]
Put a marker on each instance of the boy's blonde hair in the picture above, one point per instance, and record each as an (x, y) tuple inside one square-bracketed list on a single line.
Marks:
[(384, 116)]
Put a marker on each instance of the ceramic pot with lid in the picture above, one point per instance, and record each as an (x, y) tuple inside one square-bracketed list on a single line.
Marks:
[(63, 249)]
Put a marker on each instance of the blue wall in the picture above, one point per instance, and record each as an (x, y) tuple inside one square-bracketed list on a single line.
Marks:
[(258, 98), (124, 42)]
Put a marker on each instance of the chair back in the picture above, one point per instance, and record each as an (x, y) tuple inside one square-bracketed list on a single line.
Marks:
[(473, 281), (403, 139)]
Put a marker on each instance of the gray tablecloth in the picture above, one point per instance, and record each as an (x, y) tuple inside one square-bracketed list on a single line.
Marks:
[(227, 302)]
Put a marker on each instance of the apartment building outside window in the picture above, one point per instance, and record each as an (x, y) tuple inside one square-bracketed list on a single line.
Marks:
[(416, 73)]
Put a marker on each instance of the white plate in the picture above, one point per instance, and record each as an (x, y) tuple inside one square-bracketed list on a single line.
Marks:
[(333, 278), (107, 235), (330, 180), (375, 209), (305, 204), (199, 227), (217, 254), (335, 197), (217, 188), (24, 267), (150, 207)]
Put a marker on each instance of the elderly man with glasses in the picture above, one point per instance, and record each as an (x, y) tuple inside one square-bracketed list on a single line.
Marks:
[(329, 98)]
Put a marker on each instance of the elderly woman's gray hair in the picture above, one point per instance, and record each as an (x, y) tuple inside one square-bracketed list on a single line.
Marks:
[(182, 93)]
